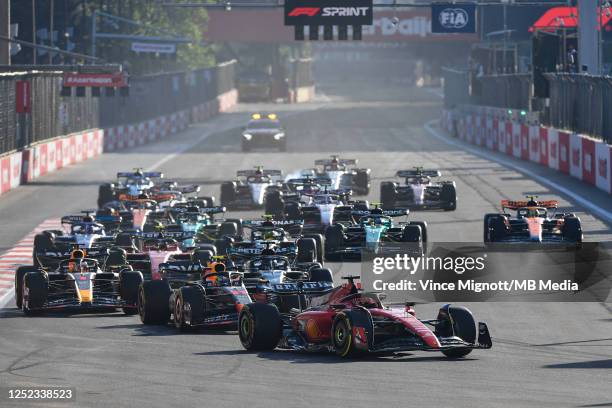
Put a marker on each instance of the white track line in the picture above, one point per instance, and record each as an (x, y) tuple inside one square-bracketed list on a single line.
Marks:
[(605, 214)]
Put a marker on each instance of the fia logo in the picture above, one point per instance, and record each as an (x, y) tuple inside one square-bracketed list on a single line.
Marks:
[(453, 18)]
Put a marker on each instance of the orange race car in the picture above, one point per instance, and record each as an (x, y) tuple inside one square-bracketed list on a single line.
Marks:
[(534, 222)]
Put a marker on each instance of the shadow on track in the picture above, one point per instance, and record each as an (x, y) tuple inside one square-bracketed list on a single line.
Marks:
[(605, 364)]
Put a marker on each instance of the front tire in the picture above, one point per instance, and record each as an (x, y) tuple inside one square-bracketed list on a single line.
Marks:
[(153, 302), (342, 337), (259, 327), (457, 321)]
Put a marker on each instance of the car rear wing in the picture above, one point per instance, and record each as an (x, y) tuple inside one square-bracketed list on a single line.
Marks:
[(306, 288), (309, 181), (249, 173), (150, 174), (181, 270), (335, 160), (396, 212), (189, 189), (276, 223), (247, 251), (515, 205), (178, 235), (418, 172)]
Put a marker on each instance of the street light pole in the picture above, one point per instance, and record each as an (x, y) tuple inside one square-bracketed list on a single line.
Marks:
[(51, 15), (34, 53)]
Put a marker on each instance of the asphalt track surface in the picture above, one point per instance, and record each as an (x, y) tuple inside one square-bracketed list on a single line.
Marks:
[(544, 354)]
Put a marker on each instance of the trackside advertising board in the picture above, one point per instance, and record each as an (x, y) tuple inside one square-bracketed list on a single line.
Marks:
[(448, 18), (328, 12)]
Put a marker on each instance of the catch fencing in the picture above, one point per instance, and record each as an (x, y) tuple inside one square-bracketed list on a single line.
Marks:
[(581, 103), (51, 114), (54, 114)]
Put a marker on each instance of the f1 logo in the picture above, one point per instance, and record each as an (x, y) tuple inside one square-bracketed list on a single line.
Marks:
[(304, 11)]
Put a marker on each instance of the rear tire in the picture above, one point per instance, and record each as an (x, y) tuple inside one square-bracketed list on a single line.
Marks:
[(228, 193), (321, 275), (334, 239), (259, 327), (274, 204), (319, 240), (448, 196), (572, 230), (387, 194), (129, 284), (306, 250), (153, 298), (105, 195)]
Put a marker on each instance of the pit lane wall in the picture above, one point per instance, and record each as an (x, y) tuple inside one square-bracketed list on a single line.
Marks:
[(37, 160), (577, 155)]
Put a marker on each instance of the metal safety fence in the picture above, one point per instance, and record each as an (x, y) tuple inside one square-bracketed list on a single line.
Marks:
[(156, 95), (581, 103), (50, 114), (53, 113), (512, 91)]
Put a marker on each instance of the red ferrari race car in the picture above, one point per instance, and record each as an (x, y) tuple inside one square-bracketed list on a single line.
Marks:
[(350, 322)]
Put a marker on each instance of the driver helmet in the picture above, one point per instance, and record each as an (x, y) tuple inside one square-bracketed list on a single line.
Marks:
[(268, 235), (143, 196)]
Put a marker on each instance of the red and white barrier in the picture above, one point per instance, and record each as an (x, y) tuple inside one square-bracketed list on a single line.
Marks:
[(580, 156), (137, 134)]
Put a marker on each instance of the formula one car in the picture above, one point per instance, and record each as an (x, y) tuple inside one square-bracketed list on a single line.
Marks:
[(349, 322), (532, 223), (196, 297), (419, 191), (318, 210), (269, 237), (52, 246), (264, 131), (251, 191), (374, 231), (262, 271), (342, 175), (78, 283), (131, 185)]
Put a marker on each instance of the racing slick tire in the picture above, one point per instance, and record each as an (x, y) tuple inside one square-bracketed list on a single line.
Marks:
[(423, 226), (361, 181), (274, 204), (36, 285), (412, 233), (334, 239), (203, 256), (448, 197), (306, 250), (486, 228), (124, 241), (456, 321), (228, 193), (19, 275), (129, 284), (153, 302), (293, 210), (207, 247), (259, 326), (387, 194), (572, 230), (497, 228), (105, 194), (184, 316), (319, 240), (228, 229), (321, 275), (223, 245), (238, 222), (42, 242), (343, 340)]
